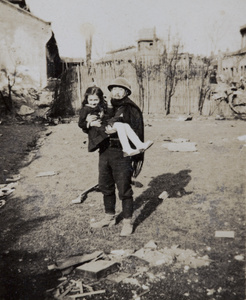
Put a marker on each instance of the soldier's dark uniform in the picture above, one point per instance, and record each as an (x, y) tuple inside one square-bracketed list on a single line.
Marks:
[(114, 169)]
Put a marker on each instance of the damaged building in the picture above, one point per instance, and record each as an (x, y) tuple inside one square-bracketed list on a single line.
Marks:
[(232, 65), (29, 54)]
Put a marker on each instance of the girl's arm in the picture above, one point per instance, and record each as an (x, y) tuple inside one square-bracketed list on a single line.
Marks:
[(82, 120)]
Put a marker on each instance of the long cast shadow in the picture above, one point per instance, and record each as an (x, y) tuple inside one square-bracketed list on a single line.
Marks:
[(173, 184)]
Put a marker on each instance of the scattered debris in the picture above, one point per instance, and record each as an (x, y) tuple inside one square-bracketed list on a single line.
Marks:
[(87, 294), (48, 173), (180, 140), (169, 255), (180, 147), (75, 260), (219, 118), (132, 281), (210, 292), (84, 194), (225, 234), (242, 138), (73, 289), (98, 265), (239, 257), (13, 178), (186, 268), (153, 257), (7, 189), (2, 203), (163, 196), (151, 245), (184, 118), (118, 277), (119, 255)]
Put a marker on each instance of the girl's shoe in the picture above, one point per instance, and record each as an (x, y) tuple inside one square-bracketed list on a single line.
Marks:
[(146, 145), (131, 152)]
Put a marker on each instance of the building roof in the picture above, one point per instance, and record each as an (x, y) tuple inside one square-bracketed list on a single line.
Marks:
[(5, 2), (238, 52), (72, 59), (122, 49), (19, 2), (123, 54)]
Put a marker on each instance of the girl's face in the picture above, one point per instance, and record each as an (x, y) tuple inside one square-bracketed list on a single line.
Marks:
[(118, 92), (93, 100)]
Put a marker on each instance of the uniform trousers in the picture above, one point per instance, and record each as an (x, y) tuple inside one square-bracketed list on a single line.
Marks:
[(116, 171)]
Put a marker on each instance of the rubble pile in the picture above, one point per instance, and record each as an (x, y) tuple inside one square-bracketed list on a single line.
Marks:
[(80, 273), (26, 103), (8, 188)]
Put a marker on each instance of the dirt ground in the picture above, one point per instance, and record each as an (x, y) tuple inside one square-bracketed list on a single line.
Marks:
[(206, 188)]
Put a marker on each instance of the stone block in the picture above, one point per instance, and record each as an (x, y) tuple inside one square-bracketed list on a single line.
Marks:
[(97, 269)]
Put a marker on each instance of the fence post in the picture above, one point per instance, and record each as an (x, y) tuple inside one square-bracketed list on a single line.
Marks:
[(78, 87)]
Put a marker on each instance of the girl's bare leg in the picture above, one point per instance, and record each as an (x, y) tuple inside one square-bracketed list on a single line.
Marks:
[(135, 139), (121, 130)]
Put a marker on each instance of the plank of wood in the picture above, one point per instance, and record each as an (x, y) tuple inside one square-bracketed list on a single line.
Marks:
[(87, 294), (74, 260), (65, 292)]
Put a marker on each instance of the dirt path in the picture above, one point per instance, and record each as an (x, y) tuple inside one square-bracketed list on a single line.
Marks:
[(207, 193)]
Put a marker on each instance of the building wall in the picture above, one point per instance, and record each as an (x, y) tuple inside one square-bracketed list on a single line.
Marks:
[(234, 66), (23, 38)]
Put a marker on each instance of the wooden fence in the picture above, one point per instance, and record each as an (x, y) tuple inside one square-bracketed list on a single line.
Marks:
[(184, 101)]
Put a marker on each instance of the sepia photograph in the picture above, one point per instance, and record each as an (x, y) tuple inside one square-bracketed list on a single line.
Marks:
[(122, 149)]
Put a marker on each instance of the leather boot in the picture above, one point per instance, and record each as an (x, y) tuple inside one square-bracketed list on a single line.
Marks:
[(127, 227), (107, 221)]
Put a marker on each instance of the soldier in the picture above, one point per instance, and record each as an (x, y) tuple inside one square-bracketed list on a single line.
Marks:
[(115, 169)]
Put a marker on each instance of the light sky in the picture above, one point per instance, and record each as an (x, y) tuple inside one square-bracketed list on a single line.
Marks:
[(202, 25)]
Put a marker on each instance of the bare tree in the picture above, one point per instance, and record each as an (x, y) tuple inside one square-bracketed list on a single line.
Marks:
[(216, 32), (168, 63), (205, 87), (7, 100), (140, 69)]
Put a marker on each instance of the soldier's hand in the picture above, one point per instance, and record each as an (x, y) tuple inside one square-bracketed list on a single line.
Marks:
[(96, 123), (90, 118)]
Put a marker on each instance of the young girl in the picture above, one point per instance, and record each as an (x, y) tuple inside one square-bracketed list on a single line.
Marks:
[(94, 104)]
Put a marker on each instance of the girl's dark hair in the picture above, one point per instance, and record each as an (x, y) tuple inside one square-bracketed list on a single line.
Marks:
[(94, 90)]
